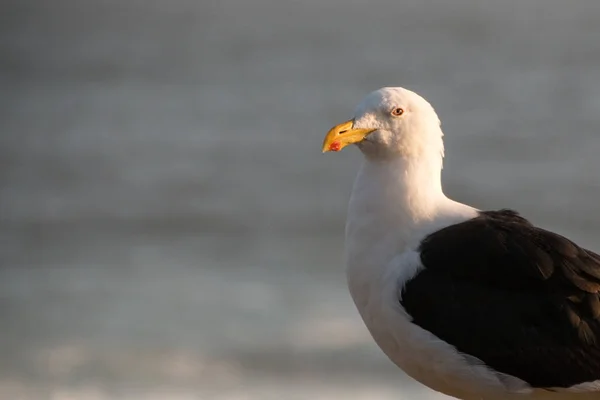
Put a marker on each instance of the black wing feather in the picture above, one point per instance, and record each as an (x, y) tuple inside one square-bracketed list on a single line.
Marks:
[(523, 300)]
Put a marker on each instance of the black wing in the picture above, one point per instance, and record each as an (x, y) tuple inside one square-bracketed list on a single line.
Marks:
[(523, 300)]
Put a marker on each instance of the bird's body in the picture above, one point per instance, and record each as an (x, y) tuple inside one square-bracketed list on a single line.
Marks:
[(476, 305)]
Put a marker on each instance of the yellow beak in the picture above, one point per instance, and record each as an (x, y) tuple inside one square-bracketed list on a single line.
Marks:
[(342, 135)]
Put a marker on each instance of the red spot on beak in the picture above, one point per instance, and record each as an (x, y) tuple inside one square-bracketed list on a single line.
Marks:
[(335, 146)]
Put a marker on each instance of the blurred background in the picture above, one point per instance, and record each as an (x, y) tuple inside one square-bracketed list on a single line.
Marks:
[(169, 228)]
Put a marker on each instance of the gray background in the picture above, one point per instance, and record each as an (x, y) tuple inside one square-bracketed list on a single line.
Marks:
[(169, 228)]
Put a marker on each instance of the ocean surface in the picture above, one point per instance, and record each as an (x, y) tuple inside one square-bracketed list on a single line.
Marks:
[(169, 228)]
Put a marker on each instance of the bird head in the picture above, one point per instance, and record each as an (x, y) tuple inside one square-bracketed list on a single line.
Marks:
[(390, 122)]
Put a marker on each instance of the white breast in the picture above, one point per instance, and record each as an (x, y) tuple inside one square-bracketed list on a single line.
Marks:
[(383, 233)]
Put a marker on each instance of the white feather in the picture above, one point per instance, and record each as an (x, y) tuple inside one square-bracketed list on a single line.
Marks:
[(396, 201)]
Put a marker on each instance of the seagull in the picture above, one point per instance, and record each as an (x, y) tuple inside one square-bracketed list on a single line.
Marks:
[(478, 305)]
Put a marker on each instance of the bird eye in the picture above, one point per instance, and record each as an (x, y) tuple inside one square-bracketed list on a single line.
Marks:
[(398, 111)]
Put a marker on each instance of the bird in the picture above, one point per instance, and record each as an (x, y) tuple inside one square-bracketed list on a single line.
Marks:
[(475, 304)]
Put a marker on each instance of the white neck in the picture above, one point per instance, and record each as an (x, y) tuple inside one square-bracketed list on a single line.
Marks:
[(394, 204), (395, 193)]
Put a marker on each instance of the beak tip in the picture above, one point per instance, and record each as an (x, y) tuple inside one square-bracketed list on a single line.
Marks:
[(333, 146), (340, 136)]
